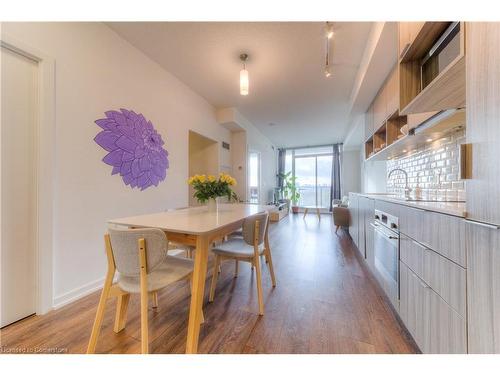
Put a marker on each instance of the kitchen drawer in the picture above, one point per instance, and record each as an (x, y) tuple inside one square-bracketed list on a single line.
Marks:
[(411, 222), (435, 326), (446, 278), (387, 207), (445, 234)]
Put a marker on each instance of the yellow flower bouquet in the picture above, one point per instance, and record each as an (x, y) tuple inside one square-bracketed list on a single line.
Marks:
[(211, 187)]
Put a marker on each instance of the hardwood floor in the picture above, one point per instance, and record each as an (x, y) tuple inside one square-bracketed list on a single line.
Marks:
[(325, 302)]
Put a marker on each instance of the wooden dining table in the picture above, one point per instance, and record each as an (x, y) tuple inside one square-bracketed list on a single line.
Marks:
[(195, 226)]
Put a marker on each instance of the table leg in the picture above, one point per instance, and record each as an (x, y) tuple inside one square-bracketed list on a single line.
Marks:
[(305, 212), (199, 278), (319, 213)]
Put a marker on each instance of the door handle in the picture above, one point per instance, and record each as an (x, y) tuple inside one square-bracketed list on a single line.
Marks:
[(486, 225), (465, 157)]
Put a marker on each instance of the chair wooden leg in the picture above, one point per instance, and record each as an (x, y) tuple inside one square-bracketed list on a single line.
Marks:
[(144, 323), (154, 298), (144, 297), (337, 228), (214, 278), (236, 268), (269, 260), (121, 312), (104, 296), (99, 316), (259, 285)]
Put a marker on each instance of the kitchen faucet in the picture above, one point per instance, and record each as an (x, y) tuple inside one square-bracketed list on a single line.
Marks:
[(407, 188)]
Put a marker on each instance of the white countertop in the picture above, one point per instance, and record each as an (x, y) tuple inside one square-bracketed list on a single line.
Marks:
[(449, 208), (193, 220)]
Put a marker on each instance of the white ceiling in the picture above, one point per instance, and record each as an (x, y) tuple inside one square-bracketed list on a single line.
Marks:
[(287, 84)]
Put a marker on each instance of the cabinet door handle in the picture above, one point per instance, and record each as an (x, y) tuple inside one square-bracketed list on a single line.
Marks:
[(465, 157), (486, 225)]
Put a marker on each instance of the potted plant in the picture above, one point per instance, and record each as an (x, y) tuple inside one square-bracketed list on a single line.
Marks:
[(290, 190), (208, 188)]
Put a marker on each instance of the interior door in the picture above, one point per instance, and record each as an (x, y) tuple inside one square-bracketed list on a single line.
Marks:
[(19, 77)]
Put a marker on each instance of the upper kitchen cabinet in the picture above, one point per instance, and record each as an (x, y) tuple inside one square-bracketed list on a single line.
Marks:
[(382, 117), (483, 121), (431, 66), (407, 34), (369, 122)]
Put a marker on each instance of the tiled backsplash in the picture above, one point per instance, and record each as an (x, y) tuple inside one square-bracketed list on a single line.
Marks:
[(434, 168)]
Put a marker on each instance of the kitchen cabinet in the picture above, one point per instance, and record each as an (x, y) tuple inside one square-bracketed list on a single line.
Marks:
[(445, 277), (353, 211), (445, 234), (369, 232), (483, 288), (392, 93), (483, 120), (432, 67), (435, 326), (366, 213), (415, 119), (407, 33), (379, 108), (361, 226), (369, 128), (434, 283)]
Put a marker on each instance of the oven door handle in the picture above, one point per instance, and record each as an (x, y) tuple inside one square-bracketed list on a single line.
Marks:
[(376, 227)]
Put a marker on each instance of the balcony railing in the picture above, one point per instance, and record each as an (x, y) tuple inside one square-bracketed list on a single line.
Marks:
[(308, 196)]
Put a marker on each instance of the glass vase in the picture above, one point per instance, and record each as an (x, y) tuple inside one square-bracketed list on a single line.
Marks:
[(212, 205)]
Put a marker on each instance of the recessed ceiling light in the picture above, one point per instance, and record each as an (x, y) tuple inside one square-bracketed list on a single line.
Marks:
[(428, 140)]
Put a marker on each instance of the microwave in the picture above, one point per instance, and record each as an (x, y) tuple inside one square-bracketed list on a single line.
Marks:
[(442, 53)]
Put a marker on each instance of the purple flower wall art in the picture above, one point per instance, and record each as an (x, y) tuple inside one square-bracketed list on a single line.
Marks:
[(135, 149)]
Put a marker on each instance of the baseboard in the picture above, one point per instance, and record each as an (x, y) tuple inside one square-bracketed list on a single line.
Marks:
[(77, 293)]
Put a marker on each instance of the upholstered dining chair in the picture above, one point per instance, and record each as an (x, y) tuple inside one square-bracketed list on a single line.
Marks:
[(140, 257), (248, 248)]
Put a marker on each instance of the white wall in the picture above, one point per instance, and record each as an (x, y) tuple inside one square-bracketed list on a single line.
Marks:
[(239, 157), (203, 159), (96, 71), (374, 177), (256, 141), (351, 175)]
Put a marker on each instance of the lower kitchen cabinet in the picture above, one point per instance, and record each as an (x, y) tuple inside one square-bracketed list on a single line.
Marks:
[(369, 233), (483, 288), (435, 326), (353, 211)]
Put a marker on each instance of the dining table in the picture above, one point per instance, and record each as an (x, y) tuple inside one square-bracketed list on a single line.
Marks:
[(199, 227)]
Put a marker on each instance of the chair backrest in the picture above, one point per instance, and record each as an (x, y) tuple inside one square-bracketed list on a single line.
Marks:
[(125, 247), (249, 228)]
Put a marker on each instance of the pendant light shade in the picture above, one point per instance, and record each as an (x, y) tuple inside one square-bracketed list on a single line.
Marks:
[(244, 82)]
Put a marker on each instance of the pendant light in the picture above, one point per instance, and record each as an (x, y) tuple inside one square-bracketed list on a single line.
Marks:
[(328, 36), (244, 83)]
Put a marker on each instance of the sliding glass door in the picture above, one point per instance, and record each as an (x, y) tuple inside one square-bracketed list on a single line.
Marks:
[(313, 169)]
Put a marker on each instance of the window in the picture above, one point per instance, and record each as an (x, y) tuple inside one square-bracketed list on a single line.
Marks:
[(313, 169), (254, 177)]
